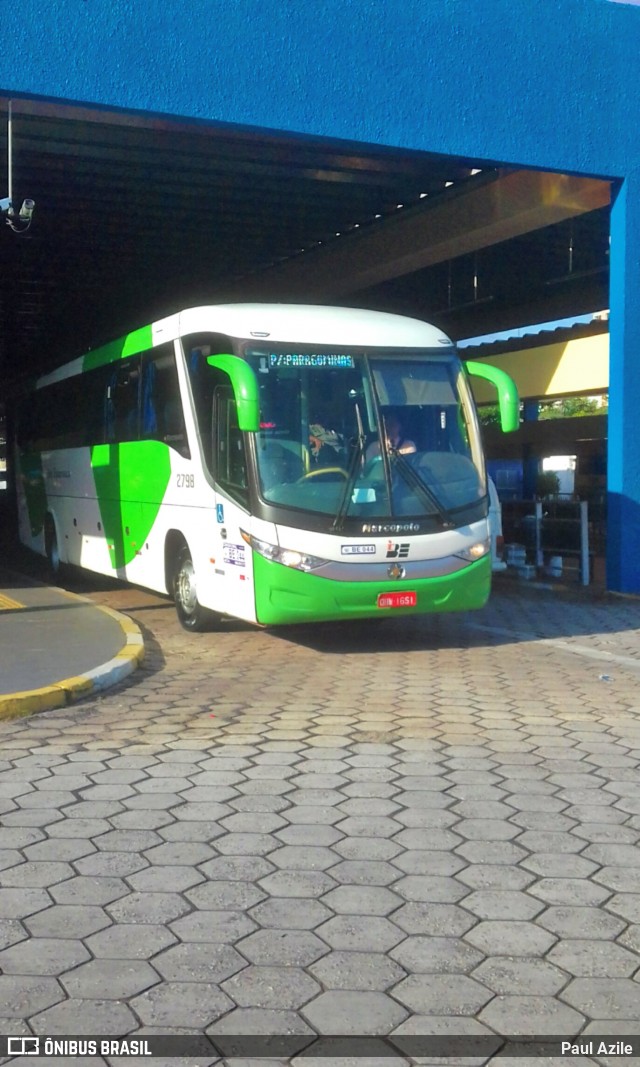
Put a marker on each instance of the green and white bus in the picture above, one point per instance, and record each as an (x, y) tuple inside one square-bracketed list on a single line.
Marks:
[(275, 463)]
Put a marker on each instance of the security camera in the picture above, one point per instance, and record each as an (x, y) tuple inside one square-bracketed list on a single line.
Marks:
[(26, 211)]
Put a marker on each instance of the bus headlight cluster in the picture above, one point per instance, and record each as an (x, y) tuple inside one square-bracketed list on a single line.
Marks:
[(474, 552), (300, 561)]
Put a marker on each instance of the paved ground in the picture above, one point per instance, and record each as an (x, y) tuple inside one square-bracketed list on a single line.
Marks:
[(47, 636), (412, 827)]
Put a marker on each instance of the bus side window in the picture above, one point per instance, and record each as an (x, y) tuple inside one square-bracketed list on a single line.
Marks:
[(122, 402), (230, 456), (162, 417)]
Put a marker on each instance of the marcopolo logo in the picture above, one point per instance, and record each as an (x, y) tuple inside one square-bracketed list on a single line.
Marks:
[(391, 528)]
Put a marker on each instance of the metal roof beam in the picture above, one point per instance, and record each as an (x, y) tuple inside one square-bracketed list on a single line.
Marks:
[(467, 219)]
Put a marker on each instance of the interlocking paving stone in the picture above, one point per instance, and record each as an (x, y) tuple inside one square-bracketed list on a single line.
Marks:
[(354, 1012), (112, 979), (627, 905), (183, 831), (431, 889), (367, 848), (604, 998), (288, 883), (594, 959), (428, 862), (575, 891), (360, 933), (436, 955), (311, 814), (514, 938), (170, 879), (271, 987), (520, 976), (18, 902), (362, 900), (148, 908), (303, 857), (262, 1021), (192, 1004), (438, 920), (199, 962), (107, 864), (11, 931), (531, 1015), (357, 970), (488, 876), (303, 834), (85, 1017), (450, 994), (213, 926), (9, 857), (365, 872), (24, 995), (286, 948), (581, 922), (84, 890), (43, 956), (67, 920), (236, 868), (230, 896), (556, 865), (36, 874), (495, 904), (130, 941), (290, 913), (183, 854)]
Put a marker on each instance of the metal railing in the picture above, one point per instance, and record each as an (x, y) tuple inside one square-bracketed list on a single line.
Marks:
[(558, 536)]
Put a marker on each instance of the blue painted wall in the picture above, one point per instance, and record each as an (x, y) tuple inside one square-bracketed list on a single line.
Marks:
[(552, 84)]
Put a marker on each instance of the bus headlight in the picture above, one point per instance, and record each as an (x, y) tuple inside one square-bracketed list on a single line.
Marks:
[(474, 552), (300, 561)]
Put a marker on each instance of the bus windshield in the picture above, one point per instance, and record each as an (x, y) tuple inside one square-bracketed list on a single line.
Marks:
[(366, 435)]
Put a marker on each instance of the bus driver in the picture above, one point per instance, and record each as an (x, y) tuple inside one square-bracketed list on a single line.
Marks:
[(395, 439)]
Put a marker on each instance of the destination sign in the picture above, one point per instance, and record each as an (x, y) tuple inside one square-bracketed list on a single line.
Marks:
[(310, 359)]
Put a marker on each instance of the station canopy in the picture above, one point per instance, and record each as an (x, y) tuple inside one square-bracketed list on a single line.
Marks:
[(138, 215)]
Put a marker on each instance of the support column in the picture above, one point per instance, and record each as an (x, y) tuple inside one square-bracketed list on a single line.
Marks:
[(530, 461), (623, 474)]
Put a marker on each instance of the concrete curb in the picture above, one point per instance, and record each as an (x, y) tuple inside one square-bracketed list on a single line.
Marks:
[(127, 660)]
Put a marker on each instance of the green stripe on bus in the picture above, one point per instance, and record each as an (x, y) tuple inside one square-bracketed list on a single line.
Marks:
[(136, 341), (131, 480)]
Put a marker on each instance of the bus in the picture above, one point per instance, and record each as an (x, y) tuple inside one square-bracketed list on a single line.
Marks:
[(274, 463)]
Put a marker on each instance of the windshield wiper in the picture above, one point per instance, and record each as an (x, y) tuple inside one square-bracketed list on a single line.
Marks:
[(420, 487), (358, 444)]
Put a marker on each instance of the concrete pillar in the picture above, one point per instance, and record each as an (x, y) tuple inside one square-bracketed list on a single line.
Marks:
[(530, 462), (623, 474)]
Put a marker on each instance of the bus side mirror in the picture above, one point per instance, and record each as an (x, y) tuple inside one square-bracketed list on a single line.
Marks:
[(245, 389), (508, 399)]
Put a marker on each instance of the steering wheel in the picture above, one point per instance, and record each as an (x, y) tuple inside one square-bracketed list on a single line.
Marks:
[(324, 470)]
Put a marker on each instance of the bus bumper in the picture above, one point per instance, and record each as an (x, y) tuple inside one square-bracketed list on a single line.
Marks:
[(286, 595)]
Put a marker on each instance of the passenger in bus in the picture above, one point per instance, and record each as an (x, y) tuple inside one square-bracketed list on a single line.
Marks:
[(325, 446), (396, 441)]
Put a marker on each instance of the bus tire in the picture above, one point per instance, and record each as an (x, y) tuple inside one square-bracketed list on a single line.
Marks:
[(191, 614), (52, 549)]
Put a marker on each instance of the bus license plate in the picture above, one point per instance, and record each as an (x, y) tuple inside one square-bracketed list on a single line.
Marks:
[(397, 600)]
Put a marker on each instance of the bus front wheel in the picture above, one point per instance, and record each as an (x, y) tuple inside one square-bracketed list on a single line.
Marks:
[(191, 614)]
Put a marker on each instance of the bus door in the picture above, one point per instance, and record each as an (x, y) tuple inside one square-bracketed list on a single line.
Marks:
[(233, 562)]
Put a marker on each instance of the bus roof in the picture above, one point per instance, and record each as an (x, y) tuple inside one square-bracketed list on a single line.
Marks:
[(279, 323), (314, 324)]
